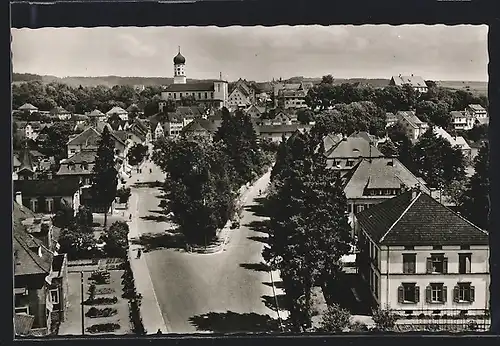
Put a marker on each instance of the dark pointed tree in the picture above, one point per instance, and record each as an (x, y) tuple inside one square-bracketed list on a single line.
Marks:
[(475, 201), (309, 231), (105, 175), (388, 148)]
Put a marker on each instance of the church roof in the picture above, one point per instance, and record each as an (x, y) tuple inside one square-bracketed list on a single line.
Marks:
[(26, 160), (179, 59), (191, 87)]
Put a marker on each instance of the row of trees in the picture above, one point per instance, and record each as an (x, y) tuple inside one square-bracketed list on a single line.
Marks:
[(309, 231), (433, 107), (203, 176)]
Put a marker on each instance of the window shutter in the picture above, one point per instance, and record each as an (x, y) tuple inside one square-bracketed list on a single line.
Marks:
[(445, 265), (401, 297), (456, 298), (472, 292), (445, 294), (417, 294), (429, 265), (428, 294)]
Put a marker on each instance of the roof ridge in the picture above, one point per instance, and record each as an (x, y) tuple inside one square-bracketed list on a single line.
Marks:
[(28, 250), (400, 217)]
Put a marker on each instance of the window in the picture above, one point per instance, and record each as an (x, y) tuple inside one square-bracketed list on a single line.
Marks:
[(463, 293), (437, 247), (199, 95), (464, 263), (72, 151), (34, 205), (218, 88), (410, 247), (23, 310), (465, 247), (206, 95), (349, 163), (436, 293), (360, 208), (437, 264), (375, 285), (409, 263), (49, 203), (54, 296), (409, 293), (349, 208)]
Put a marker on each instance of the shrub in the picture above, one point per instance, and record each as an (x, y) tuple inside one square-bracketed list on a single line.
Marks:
[(335, 319), (123, 194), (96, 312), (358, 326), (91, 292), (385, 319), (100, 278), (104, 290), (103, 328), (472, 326), (102, 301)]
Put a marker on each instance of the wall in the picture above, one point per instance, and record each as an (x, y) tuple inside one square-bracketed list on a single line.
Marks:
[(392, 262), (35, 298)]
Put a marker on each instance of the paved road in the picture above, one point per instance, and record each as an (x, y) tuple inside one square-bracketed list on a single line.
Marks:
[(224, 292)]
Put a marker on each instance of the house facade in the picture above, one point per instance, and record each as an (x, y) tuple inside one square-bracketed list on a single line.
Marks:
[(239, 97), (40, 275), (477, 111), (413, 125), (418, 256), (118, 111), (462, 120)]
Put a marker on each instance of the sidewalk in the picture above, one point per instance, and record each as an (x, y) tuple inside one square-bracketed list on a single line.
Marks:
[(152, 317)]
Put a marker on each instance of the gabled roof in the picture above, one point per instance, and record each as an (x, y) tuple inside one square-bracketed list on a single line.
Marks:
[(353, 147), (477, 107), (26, 160), (28, 106), (82, 156), (453, 140), (414, 81), (133, 108), (379, 173), (194, 87), (88, 136), (459, 114), (116, 110), (15, 161), (410, 118), (59, 110), (62, 186), (404, 220), (96, 113), (201, 125), (259, 109), (27, 249), (23, 324), (363, 134)]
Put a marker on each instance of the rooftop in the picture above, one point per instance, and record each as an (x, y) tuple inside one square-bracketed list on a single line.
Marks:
[(418, 219), (477, 107), (62, 186), (191, 87), (414, 81), (353, 147), (116, 110)]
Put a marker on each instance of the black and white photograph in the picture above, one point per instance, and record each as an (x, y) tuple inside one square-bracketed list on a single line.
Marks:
[(261, 180)]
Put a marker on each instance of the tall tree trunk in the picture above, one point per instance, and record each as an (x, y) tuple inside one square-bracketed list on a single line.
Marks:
[(105, 218)]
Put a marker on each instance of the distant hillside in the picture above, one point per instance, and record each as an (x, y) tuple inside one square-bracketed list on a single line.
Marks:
[(472, 86)]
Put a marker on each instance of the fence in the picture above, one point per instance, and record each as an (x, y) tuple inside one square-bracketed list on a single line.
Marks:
[(444, 320)]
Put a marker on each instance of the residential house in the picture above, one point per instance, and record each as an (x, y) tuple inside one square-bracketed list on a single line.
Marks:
[(200, 127), (420, 257), (241, 96), (462, 120), (96, 116), (375, 180), (275, 133), (255, 112), (138, 128), (134, 109), (455, 141), (344, 153), (60, 113), (79, 165), (28, 107), (477, 111), (30, 129), (413, 125), (40, 274), (416, 82), (118, 111), (16, 165), (89, 139), (48, 195)]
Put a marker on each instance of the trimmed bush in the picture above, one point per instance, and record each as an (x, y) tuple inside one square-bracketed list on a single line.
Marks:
[(385, 319), (104, 290), (103, 328), (100, 278), (96, 312), (102, 301)]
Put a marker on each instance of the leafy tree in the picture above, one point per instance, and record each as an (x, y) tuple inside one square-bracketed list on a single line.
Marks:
[(328, 79), (388, 148), (77, 242), (385, 319), (455, 191), (398, 135), (188, 101), (137, 154), (197, 184), (309, 231), (64, 217), (305, 116), (335, 319), (240, 144), (84, 217), (123, 194), (436, 113), (105, 178), (116, 238), (436, 161), (53, 140), (475, 204), (477, 133)]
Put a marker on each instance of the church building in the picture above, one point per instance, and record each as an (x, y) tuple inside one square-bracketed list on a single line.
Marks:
[(214, 92)]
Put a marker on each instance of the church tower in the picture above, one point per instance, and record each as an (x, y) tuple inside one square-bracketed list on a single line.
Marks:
[(179, 68)]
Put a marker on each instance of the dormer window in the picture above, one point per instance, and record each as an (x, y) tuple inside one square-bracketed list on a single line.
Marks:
[(85, 165)]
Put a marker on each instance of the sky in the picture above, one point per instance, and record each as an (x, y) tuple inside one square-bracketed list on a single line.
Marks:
[(257, 53)]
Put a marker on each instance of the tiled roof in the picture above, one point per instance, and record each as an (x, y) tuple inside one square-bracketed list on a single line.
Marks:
[(116, 110), (422, 220), (123, 135), (414, 81), (59, 110), (23, 324), (27, 249), (379, 173), (15, 161), (353, 147), (95, 113), (88, 136), (391, 116), (458, 114), (411, 118), (363, 134), (200, 86), (82, 156), (453, 140), (281, 128), (79, 117), (62, 186), (201, 125), (331, 140), (28, 106)]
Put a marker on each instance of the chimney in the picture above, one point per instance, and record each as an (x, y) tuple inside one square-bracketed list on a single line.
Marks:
[(414, 192), (412, 74), (19, 198), (220, 75), (390, 162)]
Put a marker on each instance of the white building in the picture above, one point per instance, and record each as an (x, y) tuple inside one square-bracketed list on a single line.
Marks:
[(462, 120), (419, 257), (416, 82), (119, 111), (213, 92), (414, 126), (455, 141)]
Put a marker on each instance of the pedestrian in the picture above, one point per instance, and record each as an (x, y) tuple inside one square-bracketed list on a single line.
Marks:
[(140, 170), (260, 192), (130, 216), (150, 171), (139, 252), (159, 332)]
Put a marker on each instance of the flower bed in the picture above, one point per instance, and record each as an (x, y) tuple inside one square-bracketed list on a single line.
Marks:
[(104, 290), (96, 312), (100, 278), (103, 328), (102, 301)]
